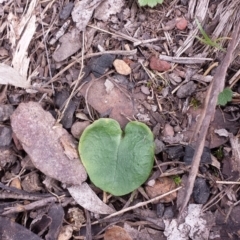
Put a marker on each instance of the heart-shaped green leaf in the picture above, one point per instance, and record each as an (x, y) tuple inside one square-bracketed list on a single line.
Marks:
[(117, 162), (150, 3)]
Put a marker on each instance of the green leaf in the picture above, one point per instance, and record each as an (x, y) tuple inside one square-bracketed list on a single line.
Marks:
[(150, 3), (117, 162), (225, 96), (206, 39)]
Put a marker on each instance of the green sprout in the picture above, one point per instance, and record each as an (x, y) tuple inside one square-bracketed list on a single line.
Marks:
[(219, 153), (150, 3), (207, 40), (225, 96), (195, 103), (177, 180)]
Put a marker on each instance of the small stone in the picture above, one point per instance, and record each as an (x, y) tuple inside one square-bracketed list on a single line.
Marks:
[(5, 112), (174, 78), (5, 136), (181, 23), (145, 90), (66, 11), (168, 130), (177, 129), (151, 182), (160, 209), (16, 183), (109, 86), (142, 17), (68, 117), (156, 129), (186, 90), (121, 67), (14, 98), (189, 152), (184, 2), (7, 155), (159, 146), (201, 191), (154, 108), (159, 65), (101, 65), (168, 213), (175, 152), (78, 128)]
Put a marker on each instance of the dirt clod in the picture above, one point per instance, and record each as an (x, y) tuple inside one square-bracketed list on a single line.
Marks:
[(159, 65), (181, 23)]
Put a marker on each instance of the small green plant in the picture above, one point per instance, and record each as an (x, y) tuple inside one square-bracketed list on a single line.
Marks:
[(218, 153), (117, 162), (177, 180), (207, 40), (225, 96), (150, 3), (195, 103), (149, 84)]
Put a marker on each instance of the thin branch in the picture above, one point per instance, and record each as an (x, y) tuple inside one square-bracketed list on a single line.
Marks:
[(35, 205), (216, 87), (138, 205), (76, 84), (79, 59)]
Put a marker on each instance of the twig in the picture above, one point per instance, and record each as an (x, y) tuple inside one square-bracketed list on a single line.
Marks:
[(213, 65), (76, 84), (138, 205), (234, 79), (184, 60), (228, 182), (46, 50), (135, 41), (216, 87), (79, 59), (89, 226), (30, 206), (20, 194)]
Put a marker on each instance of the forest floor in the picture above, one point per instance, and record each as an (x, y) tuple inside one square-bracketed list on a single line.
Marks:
[(174, 67)]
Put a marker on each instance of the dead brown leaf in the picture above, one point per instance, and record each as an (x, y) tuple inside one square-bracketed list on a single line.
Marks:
[(85, 197), (161, 186), (116, 232), (54, 152), (70, 44), (43, 141)]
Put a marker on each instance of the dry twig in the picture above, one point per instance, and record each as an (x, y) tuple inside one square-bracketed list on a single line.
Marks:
[(139, 205), (215, 88)]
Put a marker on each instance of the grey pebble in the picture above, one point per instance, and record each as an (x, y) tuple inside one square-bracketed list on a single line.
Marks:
[(5, 136), (159, 146), (201, 191), (186, 90), (168, 213), (160, 209), (66, 11), (5, 112)]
